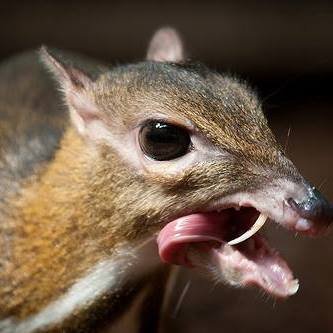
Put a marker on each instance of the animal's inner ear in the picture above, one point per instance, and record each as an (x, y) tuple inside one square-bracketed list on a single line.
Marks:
[(68, 76), (166, 46), (77, 87)]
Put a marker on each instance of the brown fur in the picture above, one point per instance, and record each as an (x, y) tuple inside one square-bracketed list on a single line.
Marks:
[(70, 214)]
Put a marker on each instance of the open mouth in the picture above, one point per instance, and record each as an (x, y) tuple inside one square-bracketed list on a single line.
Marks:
[(230, 241)]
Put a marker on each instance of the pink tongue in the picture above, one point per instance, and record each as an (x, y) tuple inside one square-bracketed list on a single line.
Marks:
[(177, 235), (251, 262)]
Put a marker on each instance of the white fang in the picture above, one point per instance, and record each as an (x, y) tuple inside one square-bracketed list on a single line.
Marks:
[(254, 229)]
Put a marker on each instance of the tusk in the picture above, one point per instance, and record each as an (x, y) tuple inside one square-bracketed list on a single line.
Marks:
[(254, 229)]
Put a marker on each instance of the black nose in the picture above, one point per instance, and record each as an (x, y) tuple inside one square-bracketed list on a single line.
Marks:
[(315, 207)]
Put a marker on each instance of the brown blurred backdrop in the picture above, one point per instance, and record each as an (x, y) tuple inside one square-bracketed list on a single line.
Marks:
[(285, 50)]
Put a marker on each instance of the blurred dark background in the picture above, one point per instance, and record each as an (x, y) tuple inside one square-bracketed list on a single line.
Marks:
[(285, 51)]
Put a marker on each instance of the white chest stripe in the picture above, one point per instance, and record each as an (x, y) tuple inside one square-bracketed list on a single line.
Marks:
[(105, 276)]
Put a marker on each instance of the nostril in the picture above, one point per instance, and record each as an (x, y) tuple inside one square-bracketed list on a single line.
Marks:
[(305, 209), (311, 208), (293, 204), (314, 207)]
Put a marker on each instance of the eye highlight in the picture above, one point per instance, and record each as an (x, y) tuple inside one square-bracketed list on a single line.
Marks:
[(163, 141)]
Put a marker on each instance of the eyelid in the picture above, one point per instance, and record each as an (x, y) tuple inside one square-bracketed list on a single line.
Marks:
[(169, 121)]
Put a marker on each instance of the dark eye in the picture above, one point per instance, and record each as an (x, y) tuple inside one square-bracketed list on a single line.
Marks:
[(162, 141)]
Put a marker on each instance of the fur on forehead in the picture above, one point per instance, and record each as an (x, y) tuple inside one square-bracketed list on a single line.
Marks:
[(223, 109), (214, 103)]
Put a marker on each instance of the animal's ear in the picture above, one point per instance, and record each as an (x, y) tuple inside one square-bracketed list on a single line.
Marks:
[(166, 46), (67, 75), (77, 88)]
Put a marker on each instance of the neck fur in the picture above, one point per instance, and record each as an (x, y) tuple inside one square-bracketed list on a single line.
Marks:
[(69, 243)]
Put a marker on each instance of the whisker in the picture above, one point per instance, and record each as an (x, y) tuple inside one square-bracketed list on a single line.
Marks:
[(287, 139), (181, 299), (322, 184)]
